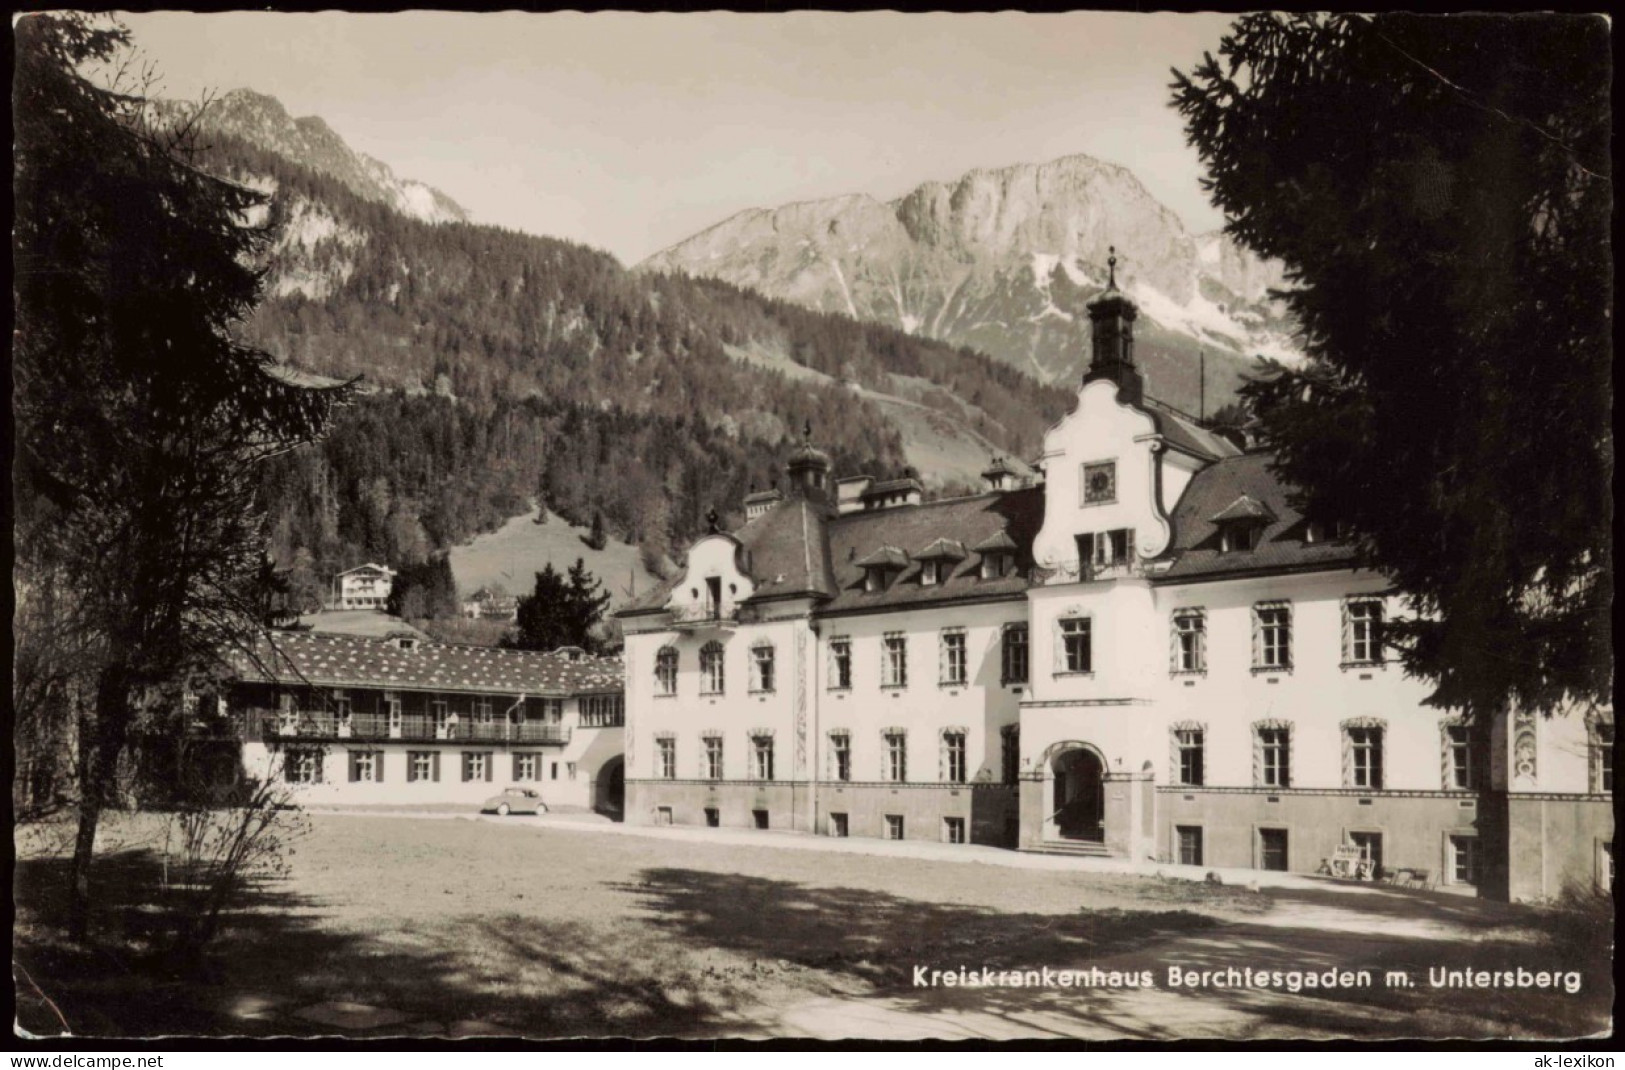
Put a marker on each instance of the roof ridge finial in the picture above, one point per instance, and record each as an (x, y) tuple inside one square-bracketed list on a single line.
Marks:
[(711, 518), (806, 432), (1111, 267)]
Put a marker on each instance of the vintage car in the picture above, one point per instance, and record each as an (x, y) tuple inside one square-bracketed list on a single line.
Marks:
[(515, 800)]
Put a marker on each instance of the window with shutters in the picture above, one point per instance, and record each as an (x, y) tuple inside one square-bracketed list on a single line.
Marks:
[(527, 766), (953, 657), (1075, 646), (1190, 641), (1014, 668), (421, 765), (1362, 631), (666, 671), (366, 765), (302, 767), (477, 765), (711, 665), (1272, 637), (894, 664)]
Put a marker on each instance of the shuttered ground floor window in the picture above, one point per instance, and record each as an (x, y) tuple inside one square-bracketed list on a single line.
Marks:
[(479, 765)]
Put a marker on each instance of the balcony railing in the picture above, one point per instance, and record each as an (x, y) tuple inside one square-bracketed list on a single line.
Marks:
[(1088, 571), (705, 615), (275, 725)]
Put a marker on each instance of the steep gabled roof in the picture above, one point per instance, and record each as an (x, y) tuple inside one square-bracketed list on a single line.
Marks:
[(999, 542), (1243, 508), (944, 548), (784, 551), (884, 557), (1184, 434), (326, 659), (1281, 547), (1016, 515)]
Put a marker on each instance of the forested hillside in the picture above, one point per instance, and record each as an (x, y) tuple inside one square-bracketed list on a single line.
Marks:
[(506, 367)]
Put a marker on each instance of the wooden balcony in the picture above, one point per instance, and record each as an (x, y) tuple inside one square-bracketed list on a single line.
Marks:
[(268, 725)]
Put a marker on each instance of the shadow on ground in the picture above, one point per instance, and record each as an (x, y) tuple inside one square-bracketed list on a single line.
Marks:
[(684, 952)]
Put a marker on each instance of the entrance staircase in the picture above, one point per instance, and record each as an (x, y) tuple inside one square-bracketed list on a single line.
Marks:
[(1072, 848)]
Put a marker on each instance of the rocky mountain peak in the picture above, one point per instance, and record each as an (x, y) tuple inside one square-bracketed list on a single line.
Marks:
[(1004, 260), (262, 121)]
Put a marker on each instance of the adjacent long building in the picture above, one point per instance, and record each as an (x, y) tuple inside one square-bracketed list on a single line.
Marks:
[(403, 721), (1146, 653)]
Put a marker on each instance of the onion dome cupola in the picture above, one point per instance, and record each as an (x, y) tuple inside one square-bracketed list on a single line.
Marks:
[(808, 468), (1111, 331)]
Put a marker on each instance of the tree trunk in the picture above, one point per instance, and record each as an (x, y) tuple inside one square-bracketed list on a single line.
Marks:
[(84, 844), (101, 740)]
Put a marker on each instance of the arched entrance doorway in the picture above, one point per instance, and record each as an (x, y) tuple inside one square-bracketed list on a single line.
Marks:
[(1078, 801), (609, 791)]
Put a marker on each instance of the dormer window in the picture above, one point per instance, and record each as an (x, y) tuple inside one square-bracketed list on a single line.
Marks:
[(880, 567), (1241, 524), (937, 561), (998, 555), (404, 642), (1317, 532)]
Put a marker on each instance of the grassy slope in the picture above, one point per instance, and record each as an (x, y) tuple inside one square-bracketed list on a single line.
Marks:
[(942, 447), (511, 556)]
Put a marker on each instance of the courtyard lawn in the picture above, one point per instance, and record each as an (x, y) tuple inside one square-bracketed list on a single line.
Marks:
[(457, 925)]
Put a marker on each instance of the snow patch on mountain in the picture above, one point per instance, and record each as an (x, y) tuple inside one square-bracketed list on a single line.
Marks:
[(973, 261), (262, 121)]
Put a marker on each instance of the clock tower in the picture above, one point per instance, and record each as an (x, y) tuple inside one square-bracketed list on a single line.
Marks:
[(1111, 322)]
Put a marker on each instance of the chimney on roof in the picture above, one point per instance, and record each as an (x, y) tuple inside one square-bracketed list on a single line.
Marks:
[(1111, 332), (849, 493), (999, 475)]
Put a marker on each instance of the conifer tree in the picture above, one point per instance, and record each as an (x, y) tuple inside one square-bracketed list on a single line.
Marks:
[(140, 418), (1440, 191)]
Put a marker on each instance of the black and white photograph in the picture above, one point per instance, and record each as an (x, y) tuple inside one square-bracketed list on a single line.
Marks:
[(817, 527)]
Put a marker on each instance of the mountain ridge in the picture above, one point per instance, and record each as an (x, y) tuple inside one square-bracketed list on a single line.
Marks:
[(1005, 260), (311, 142)]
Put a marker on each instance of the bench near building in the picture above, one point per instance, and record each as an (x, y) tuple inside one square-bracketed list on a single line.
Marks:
[(357, 720), (1145, 653)]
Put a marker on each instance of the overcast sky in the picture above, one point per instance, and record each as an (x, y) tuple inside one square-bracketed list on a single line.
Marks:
[(630, 132)]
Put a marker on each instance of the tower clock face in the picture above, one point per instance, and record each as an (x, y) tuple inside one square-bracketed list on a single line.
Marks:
[(1099, 483)]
